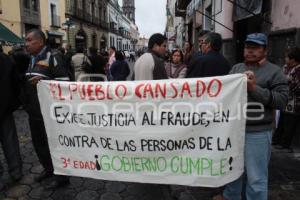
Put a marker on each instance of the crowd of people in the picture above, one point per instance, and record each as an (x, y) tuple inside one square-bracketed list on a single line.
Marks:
[(267, 85), (270, 86), (22, 69)]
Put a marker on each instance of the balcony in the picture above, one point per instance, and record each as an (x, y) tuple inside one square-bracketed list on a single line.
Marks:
[(179, 12), (112, 29), (103, 24), (121, 31), (182, 4), (55, 21), (83, 15), (70, 7)]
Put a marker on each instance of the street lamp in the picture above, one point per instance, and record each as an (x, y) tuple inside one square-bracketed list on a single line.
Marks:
[(67, 25)]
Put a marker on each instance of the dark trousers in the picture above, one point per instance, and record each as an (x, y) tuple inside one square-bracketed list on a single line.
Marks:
[(40, 143), (10, 145), (289, 126)]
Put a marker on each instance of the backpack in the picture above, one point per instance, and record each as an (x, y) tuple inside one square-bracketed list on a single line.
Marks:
[(59, 57)]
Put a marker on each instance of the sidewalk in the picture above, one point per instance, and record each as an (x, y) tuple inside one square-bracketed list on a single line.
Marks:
[(284, 180)]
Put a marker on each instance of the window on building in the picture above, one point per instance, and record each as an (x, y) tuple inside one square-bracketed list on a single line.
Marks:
[(26, 4), (218, 7), (79, 4), (84, 5), (104, 14), (54, 18), (100, 12), (92, 9), (34, 4), (208, 23)]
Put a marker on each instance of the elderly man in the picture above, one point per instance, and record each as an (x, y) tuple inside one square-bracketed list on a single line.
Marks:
[(43, 65), (211, 62), (267, 90)]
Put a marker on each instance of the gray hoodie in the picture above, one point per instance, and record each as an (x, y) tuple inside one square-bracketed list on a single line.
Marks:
[(271, 93)]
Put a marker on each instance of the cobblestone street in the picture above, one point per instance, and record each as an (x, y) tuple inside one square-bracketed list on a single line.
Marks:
[(284, 180)]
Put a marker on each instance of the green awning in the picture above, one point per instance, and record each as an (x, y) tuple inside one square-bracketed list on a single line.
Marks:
[(8, 37)]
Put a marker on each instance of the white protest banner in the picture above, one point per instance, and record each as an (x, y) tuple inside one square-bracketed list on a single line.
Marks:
[(176, 131)]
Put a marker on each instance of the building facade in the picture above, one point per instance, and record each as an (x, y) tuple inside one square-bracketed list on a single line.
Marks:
[(88, 25), (120, 27), (134, 33), (142, 44), (30, 15), (124, 31), (115, 15), (9, 17), (234, 19), (175, 27), (10, 25), (52, 18), (129, 9), (284, 31)]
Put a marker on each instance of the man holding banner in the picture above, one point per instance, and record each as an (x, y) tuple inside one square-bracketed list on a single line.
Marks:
[(267, 90)]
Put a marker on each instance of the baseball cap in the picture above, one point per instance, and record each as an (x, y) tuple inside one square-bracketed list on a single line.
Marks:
[(258, 38)]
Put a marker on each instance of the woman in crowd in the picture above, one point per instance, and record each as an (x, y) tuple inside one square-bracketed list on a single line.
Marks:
[(119, 69), (289, 123), (188, 52), (176, 68)]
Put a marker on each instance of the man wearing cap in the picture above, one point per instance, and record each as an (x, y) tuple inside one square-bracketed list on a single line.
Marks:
[(267, 90)]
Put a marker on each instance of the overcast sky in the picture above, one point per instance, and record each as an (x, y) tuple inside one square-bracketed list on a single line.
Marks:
[(150, 16)]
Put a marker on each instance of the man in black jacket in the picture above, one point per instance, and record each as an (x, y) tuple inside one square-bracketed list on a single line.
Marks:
[(211, 62), (8, 134), (43, 65), (98, 64)]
